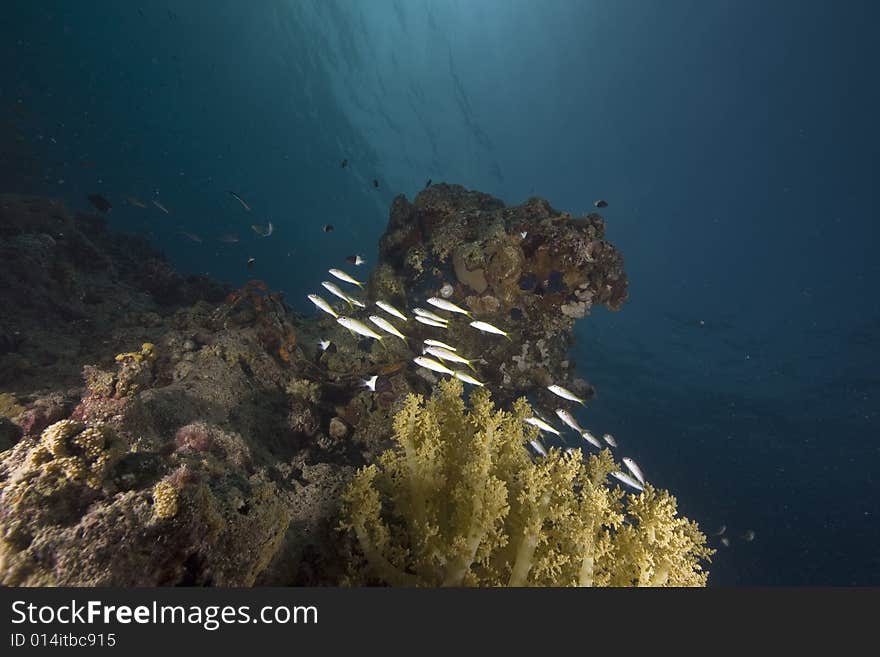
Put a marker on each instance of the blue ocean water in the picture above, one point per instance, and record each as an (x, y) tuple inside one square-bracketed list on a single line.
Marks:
[(736, 144)]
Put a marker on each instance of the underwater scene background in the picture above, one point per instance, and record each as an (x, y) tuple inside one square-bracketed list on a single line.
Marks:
[(736, 145)]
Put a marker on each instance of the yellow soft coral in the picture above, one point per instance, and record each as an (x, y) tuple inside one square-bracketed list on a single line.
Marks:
[(461, 503)]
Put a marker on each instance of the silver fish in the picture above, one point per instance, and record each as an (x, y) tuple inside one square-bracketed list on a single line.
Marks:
[(443, 304), (334, 290), (538, 447), (543, 426), (371, 382), (590, 438), (486, 327), (323, 305), (608, 438), (263, 231), (565, 393), (523, 234), (568, 419), (342, 276), (431, 364), (391, 310), (446, 355), (629, 481), (387, 326), (240, 200), (725, 541), (467, 378), (160, 206), (633, 467), (359, 327), (421, 312), (437, 343), (324, 344), (431, 322)]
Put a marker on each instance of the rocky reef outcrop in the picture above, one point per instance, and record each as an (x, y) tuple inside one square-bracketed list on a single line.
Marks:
[(163, 430), (530, 270)]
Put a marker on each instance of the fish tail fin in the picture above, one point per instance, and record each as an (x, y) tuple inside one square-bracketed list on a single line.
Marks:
[(471, 365), (510, 339)]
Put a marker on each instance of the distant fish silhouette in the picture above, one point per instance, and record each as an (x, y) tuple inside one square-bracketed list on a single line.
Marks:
[(327, 228), (240, 200), (375, 183), (344, 163), (100, 202), (601, 204), (135, 201), (251, 262), (428, 184)]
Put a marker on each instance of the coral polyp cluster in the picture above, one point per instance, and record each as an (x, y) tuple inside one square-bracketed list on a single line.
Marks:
[(459, 502)]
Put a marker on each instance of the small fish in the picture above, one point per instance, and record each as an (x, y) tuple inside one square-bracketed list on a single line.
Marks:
[(136, 202), (375, 183), (431, 322), (240, 200), (160, 206), (323, 305), (342, 276), (391, 310), (228, 239), (590, 438), (725, 541), (387, 326), (251, 262), (486, 327), (565, 393), (431, 364), (327, 228), (608, 438), (324, 344), (100, 202), (568, 419), (543, 426), (749, 536), (344, 163), (538, 447), (721, 531), (335, 291), (359, 327), (371, 382), (633, 467), (437, 343), (601, 204), (446, 355), (263, 231), (629, 481), (191, 237), (524, 234), (443, 304), (428, 183), (355, 260), (467, 378), (421, 312)]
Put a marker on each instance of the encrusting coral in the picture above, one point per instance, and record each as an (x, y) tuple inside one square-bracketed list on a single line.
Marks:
[(460, 502)]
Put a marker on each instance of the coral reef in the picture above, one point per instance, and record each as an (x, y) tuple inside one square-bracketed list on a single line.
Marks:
[(157, 429), (460, 503), (530, 270), (74, 292)]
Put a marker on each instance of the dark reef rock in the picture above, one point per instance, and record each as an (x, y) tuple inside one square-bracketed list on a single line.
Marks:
[(73, 291)]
